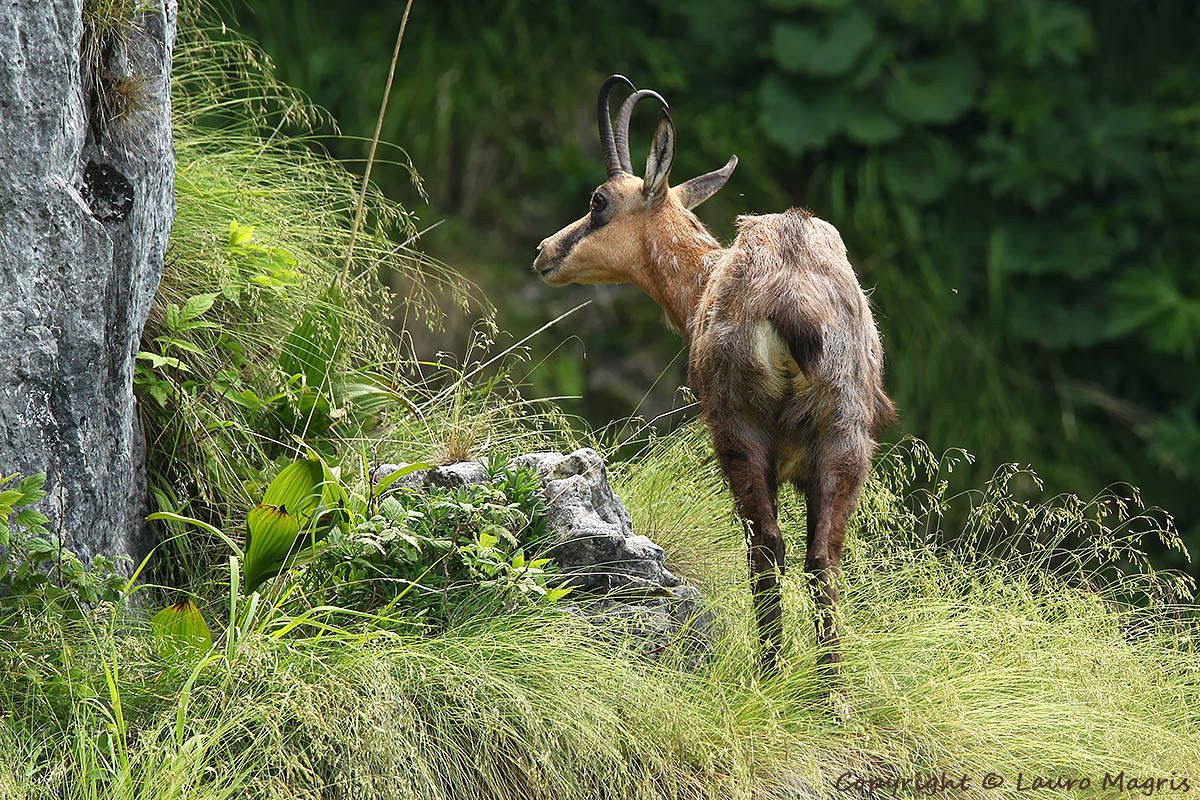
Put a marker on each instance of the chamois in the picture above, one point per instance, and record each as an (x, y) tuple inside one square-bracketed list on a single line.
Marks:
[(784, 355)]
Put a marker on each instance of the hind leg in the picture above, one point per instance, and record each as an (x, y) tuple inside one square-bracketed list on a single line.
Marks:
[(831, 496), (749, 465)]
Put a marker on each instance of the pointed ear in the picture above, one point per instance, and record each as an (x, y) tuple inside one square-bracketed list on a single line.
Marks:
[(658, 161), (694, 192)]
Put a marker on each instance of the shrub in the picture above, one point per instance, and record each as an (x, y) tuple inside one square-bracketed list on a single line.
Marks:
[(441, 555)]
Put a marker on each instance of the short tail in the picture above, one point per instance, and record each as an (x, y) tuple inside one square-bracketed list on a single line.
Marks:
[(801, 333), (885, 410)]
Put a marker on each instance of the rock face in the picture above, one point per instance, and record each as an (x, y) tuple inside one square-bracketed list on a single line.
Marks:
[(620, 577), (86, 203)]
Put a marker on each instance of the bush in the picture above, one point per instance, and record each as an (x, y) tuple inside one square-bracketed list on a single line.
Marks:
[(439, 556)]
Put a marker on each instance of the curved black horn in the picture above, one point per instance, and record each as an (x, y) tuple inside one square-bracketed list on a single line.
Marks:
[(603, 118), (623, 117)]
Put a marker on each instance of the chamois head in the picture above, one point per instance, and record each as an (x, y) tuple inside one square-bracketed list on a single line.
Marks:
[(609, 244)]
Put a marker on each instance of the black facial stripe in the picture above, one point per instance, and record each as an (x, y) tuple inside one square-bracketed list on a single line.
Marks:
[(576, 236)]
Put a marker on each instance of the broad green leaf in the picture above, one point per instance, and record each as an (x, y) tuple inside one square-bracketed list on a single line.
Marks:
[(32, 483), (796, 121), (868, 123), (196, 305), (921, 170), (311, 349), (554, 595), (934, 90), (273, 534), (182, 344), (825, 47), (39, 546), (29, 518), (158, 362), (297, 489), (487, 541), (179, 630), (239, 234)]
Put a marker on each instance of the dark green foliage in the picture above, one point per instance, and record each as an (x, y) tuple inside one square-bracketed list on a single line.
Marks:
[(1019, 182)]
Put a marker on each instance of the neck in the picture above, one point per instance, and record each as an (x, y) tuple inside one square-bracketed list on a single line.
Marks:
[(678, 263)]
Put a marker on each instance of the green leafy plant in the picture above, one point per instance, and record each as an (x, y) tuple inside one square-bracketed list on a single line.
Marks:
[(290, 355), (255, 265), (179, 630), (1016, 183), (37, 572), (287, 510), (159, 372), (442, 552)]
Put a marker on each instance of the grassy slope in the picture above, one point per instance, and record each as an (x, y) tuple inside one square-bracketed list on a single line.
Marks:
[(981, 649), (989, 648), (954, 663)]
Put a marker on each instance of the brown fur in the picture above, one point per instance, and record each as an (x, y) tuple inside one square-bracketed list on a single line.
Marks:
[(783, 354)]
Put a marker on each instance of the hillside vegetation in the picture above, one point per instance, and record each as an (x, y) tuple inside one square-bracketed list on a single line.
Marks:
[(984, 632), (1016, 182)]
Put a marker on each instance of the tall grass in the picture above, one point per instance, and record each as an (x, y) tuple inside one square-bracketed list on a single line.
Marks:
[(250, 162), (1013, 661), (1031, 637)]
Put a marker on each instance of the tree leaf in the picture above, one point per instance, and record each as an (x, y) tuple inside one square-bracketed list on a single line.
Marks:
[(795, 122), (921, 170), (826, 47), (934, 90), (868, 123)]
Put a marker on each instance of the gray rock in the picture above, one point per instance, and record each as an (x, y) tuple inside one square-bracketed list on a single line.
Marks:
[(620, 577), (678, 618), (85, 209), (463, 473), (594, 539)]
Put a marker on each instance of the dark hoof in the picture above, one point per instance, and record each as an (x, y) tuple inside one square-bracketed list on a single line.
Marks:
[(768, 664)]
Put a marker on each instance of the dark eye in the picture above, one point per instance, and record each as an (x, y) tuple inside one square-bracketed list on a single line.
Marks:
[(599, 201)]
